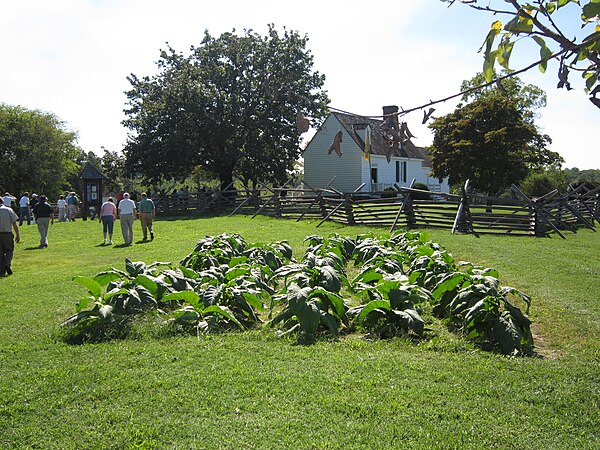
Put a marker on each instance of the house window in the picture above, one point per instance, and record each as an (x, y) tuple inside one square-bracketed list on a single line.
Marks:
[(397, 171), (374, 174), (404, 172)]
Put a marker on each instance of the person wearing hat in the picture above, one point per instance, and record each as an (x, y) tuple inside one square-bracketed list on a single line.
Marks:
[(147, 212), (9, 200), (72, 201), (34, 201), (8, 220), (127, 213), (44, 216), (24, 209)]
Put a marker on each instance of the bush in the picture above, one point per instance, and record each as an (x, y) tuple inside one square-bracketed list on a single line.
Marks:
[(419, 195)]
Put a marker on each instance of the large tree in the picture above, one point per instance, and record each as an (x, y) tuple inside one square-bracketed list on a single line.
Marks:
[(574, 42), (529, 97), (229, 107), (37, 151), (489, 142)]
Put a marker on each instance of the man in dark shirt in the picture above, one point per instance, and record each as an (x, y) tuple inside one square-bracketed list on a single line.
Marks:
[(44, 215)]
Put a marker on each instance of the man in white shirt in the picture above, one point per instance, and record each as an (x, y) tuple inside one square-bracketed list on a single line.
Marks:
[(127, 213), (8, 200), (24, 209)]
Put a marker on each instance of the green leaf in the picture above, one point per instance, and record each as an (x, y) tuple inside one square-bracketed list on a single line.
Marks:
[(188, 272), (519, 24), (369, 275), (91, 284), (103, 278), (591, 11), (309, 316), (253, 300), (329, 321), (504, 51), (83, 303), (134, 268), (372, 306), (448, 283), (488, 65), (545, 53), (190, 297), (223, 311), (411, 320), (149, 284)]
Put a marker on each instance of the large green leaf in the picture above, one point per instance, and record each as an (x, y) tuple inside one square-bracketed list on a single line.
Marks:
[(372, 306), (411, 320), (448, 283), (190, 297), (223, 311), (336, 301), (103, 278), (309, 316), (92, 285), (144, 280)]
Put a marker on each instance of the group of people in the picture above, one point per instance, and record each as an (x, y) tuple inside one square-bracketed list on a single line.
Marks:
[(43, 215), (127, 211)]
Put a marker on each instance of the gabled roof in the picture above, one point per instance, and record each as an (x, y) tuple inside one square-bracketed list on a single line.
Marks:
[(353, 124), (90, 172)]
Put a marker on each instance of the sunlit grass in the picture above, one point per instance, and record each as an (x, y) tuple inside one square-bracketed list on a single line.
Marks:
[(253, 390)]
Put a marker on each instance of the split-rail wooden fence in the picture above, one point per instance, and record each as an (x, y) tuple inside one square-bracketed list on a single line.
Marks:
[(404, 208)]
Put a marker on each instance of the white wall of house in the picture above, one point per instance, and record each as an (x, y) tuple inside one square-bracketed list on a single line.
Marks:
[(319, 167), (400, 171), (351, 169)]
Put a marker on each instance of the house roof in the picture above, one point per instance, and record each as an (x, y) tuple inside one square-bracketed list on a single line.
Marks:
[(379, 141), (90, 172)]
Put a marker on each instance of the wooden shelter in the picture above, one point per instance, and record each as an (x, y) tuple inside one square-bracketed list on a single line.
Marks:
[(92, 189)]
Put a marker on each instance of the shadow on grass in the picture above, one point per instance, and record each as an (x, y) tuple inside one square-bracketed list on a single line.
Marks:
[(37, 247)]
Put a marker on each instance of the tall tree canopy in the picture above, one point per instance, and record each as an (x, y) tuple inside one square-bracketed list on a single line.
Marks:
[(576, 48), (37, 151), (229, 107), (529, 97), (489, 142)]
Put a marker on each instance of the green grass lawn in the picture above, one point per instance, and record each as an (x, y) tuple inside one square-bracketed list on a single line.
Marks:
[(254, 390)]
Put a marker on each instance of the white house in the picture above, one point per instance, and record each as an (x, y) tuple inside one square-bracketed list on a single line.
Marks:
[(350, 166)]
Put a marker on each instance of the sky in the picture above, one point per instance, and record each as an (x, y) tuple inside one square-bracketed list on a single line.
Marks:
[(72, 58)]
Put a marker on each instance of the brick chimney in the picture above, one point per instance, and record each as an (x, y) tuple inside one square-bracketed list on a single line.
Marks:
[(387, 110)]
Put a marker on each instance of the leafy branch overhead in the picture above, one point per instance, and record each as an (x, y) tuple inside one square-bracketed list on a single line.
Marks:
[(540, 21)]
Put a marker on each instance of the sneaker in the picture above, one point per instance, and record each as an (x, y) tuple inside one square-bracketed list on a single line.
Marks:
[(104, 243), (8, 271), (110, 242), (152, 235)]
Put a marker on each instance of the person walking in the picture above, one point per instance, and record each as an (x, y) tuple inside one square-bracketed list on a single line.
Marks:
[(44, 216), (9, 200), (62, 208), (108, 215), (147, 213), (24, 209), (34, 201), (127, 214), (8, 220), (72, 201)]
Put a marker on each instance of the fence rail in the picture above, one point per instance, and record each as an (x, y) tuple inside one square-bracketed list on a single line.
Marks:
[(404, 208)]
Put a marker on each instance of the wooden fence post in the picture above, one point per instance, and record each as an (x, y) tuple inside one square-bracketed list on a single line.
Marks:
[(349, 210), (463, 223)]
